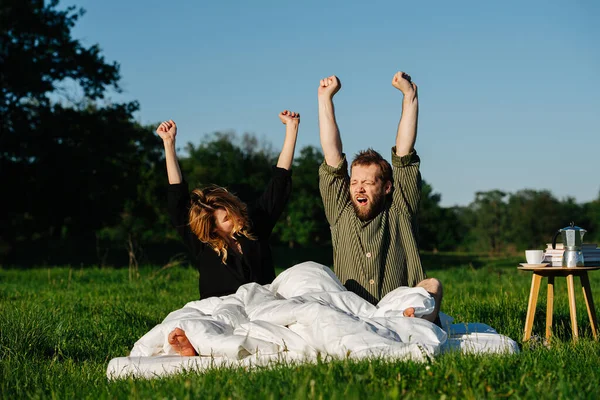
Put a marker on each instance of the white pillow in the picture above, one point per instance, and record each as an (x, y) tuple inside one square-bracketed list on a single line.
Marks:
[(307, 277)]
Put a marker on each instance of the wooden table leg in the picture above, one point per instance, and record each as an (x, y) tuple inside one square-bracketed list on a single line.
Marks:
[(572, 308), (533, 295), (589, 303), (550, 306)]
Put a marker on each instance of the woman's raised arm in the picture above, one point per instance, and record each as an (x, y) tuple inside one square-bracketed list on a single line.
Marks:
[(167, 131), (291, 120)]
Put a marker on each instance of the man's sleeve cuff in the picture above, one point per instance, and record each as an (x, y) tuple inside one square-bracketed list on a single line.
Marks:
[(340, 170), (405, 160)]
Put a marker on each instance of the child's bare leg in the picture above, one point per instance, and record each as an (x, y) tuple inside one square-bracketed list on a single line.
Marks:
[(181, 343), (409, 312)]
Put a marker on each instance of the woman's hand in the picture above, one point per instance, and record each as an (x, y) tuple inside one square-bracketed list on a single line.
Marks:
[(289, 117), (167, 131), (291, 120)]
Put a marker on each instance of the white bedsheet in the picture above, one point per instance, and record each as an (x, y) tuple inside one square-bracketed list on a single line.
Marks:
[(304, 313)]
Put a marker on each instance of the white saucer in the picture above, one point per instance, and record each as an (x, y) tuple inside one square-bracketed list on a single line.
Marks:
[(534, 265)]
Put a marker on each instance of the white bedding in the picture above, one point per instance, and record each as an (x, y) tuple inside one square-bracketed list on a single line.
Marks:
[(305, 313)]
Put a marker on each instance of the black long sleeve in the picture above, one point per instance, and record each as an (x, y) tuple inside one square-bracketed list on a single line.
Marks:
[(270, 204), (179, 207)]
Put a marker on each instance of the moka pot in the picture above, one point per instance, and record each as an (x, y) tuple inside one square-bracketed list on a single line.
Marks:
[(572, 238)]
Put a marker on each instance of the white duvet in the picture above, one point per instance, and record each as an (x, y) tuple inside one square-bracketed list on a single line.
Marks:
[(303, 314)]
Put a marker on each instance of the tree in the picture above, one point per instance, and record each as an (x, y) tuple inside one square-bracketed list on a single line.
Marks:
[(69, 169), (244, 167), (304, 223), (143, 221), (439, 228), (38, 53), (487, 220), (592, 214), (533, 216)]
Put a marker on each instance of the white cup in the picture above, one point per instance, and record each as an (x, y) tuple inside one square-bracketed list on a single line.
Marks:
[(534, 256)]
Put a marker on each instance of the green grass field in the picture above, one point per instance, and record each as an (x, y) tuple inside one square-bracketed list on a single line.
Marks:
[(60, 326)]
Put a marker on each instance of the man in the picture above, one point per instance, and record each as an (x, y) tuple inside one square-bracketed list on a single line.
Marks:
[(373, 212)]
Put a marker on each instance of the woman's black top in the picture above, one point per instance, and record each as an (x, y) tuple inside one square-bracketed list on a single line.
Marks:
[(256, 263)]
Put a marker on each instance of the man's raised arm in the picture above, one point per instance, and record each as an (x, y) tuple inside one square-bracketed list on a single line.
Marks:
[(407, 127), (329, 132)]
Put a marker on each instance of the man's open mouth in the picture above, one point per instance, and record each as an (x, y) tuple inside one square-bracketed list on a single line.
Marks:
[(361, 200)]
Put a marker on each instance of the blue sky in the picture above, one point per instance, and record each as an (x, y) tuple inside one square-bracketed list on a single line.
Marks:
[(509, 91)]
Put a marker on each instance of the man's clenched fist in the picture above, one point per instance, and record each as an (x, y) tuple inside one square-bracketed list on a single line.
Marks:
[(403, 82), (329, 86)]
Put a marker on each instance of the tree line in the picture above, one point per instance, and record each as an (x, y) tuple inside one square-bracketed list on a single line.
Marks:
[(84, 183)]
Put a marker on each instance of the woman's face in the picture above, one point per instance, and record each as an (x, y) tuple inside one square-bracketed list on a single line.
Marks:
[(224, 224)]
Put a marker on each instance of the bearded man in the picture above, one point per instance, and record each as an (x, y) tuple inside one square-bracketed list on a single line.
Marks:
[(373, 212)]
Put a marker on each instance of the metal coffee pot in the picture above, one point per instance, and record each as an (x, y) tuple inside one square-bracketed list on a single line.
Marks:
[(572, 238)]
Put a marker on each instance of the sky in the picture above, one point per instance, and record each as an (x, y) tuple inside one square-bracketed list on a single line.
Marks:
[(509, 91)]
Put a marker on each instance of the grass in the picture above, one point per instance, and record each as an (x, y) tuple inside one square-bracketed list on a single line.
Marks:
[(59, 327)]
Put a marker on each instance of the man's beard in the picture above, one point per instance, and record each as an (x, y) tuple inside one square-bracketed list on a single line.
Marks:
[(371, 211)]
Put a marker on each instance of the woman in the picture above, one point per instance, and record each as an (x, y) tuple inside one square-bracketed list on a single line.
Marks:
[(228, 241)]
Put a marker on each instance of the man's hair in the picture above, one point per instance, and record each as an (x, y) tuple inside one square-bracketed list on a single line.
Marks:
[(370, 157), (202, 217)]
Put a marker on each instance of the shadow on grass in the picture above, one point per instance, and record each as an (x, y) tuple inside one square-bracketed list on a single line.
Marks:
[(561, 326)]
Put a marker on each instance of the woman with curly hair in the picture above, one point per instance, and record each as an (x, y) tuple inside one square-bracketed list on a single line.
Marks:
[(227, 239)]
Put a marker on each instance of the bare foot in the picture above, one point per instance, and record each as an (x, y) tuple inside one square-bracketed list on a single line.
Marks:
[(180, 343), (409, 312)]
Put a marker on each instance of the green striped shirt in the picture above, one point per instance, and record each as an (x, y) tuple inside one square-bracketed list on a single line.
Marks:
[(372, 258)]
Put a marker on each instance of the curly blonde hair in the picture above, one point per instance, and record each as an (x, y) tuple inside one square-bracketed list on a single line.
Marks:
[(204, 202)]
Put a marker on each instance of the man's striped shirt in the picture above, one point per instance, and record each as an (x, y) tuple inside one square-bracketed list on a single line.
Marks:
[(374, 257)]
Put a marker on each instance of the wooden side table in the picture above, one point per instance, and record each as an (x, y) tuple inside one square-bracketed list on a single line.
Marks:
[(551, 273)]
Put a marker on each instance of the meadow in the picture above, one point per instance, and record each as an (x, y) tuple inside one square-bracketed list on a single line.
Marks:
[(60, 326)]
